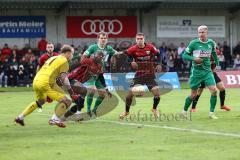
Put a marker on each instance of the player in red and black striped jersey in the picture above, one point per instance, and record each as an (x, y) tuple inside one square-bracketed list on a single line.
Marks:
[(143, 55), (219, 85), (43, 58), (81, 72)]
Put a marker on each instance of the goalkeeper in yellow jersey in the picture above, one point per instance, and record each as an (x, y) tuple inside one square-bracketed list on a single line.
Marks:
[(44, 85)]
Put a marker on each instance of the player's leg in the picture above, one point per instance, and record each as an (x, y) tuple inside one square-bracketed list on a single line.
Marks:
[(153, 87), (211, 84), (128, 103), (194, 83), (222, 92), (156, 99), (99, 100), (61, 108), (101, 95), (199, 92), (189, 100), (40, 100), (129, 98), (79, 104), (80, 89), (91, 92)]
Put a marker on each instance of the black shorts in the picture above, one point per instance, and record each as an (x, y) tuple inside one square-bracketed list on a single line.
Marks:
[(216, 77), (149, 81)]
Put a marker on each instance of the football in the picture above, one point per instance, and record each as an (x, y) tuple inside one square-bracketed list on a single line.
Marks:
[(138, 91)]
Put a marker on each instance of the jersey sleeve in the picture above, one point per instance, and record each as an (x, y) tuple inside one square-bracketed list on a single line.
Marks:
[(154, 50), (130, 51), (89, 51), (41, 60), (187, 55), (111, 51)]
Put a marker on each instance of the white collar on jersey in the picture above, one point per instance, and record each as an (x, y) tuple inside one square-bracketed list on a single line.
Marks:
[(202, 41)]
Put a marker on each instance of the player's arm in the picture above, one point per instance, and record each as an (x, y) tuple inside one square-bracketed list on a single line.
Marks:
[(112, 52), (63, 78), (214, 54), (187, 55), (130, 53), (156, 53), (40, 63)]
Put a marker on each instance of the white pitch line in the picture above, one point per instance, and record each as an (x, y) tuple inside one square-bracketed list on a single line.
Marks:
[(157, 126), (175, 128)]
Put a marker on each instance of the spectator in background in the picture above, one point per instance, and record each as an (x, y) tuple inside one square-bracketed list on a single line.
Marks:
[(28, 55), (57, 47), (120, 64), (14, 57), (171, 56), (30, 70), (42, 44), (181, 48), (21, 76), (12, 76), (17, 51), (179, 64), (172, 47), (236, 50), (163, 53), (227, 54), (222, 62), (5, 70), (1, 74), (23, 62), (221, 58), (5, 52), (236, 64), (24, 50), (31, 73)]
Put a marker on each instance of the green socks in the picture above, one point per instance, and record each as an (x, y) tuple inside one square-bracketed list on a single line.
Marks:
[(213, 102), (97, 103), (188, 102), (89, 102)]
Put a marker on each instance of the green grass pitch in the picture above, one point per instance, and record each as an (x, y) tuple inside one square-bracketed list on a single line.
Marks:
[(135, 139)]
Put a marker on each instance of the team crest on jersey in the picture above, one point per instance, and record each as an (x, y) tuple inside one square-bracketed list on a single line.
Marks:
[(148, 52)]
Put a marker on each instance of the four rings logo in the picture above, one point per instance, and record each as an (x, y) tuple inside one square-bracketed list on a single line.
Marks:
[(90, 27)]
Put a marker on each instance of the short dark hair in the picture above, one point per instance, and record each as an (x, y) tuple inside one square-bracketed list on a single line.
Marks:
[(99, 52), (66, 48), (102, 33), (140, 34)]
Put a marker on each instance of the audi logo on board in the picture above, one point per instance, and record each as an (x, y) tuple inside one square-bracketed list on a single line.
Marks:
[(89, 27)]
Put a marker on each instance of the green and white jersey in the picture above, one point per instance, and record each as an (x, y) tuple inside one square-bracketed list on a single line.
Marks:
[(203, 50), (107, 50)]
